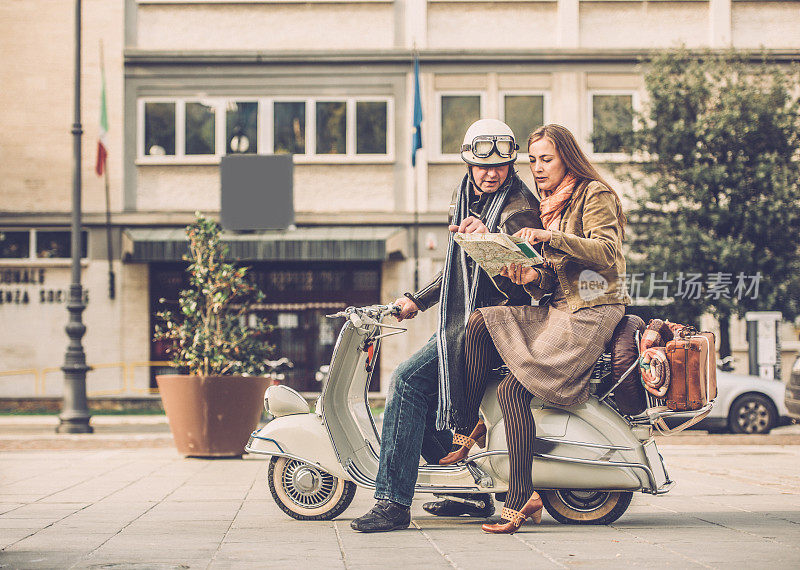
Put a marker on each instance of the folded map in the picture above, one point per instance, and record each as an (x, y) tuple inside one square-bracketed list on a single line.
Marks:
[(494, 251)]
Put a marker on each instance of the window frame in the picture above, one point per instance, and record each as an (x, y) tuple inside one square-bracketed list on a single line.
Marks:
[(32, 258), (223, 136), (311, 127), (635, 107), (218, 106), (265, 129), (437, 154), (545, 94)]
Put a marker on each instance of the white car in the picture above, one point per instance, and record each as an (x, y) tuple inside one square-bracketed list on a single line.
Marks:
[(745, 404)]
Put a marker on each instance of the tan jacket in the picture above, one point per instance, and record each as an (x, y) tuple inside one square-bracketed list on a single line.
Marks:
[(585, 254)]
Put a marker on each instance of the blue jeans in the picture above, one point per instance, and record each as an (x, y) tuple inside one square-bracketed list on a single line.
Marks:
[(409, 426)]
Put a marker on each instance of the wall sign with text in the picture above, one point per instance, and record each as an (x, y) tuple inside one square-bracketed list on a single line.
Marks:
[(28, 285)]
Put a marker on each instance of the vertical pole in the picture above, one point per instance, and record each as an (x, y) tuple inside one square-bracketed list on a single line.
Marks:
[(416, 237), (74, 416), (109, 241)]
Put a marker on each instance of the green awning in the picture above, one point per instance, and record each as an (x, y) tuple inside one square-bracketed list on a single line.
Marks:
[(141, 245)]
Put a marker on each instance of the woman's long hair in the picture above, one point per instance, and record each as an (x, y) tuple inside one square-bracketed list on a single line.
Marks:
[(575, 160)]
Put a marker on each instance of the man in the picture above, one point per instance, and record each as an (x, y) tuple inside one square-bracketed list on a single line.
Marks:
[(490, 198)]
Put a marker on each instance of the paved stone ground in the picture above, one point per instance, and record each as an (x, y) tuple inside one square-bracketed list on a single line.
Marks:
[(733, 505), (20, 433)]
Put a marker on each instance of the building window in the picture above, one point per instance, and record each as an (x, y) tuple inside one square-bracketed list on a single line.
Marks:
[(338, 130), (289, 127), (612, 121), (524, 113), (39, 244), (57, 244), (241, 127), (159, 129), (15, 245), (199, 128), (331, 127), (371, 127), (458, 112)]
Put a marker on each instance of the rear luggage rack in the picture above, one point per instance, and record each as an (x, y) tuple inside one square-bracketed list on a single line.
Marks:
[(656, 410)]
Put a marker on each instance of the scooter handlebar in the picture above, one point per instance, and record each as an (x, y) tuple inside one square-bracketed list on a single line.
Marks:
[(374, 311)]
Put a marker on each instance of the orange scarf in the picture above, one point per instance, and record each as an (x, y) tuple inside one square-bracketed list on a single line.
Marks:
[(553, 205)]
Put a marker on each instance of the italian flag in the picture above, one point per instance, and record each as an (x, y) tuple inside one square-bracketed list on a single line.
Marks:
[(102, 153)]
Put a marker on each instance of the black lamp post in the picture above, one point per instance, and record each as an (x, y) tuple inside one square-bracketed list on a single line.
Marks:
[(74, 416)]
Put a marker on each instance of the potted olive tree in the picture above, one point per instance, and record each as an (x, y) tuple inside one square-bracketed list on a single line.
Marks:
[(217, 403)]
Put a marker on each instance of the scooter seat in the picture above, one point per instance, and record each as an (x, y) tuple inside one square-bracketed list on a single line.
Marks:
[(629, 396)]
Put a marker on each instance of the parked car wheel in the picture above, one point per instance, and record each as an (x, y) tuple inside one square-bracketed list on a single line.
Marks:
[(752, 413)]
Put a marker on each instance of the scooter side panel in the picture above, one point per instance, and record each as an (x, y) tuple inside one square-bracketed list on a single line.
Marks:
[(572, 434), (303, 436)]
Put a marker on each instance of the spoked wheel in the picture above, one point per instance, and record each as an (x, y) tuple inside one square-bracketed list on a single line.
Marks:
[(307, 493), (586, 507)]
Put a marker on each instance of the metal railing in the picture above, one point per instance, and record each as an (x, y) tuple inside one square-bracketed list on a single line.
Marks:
[(128, 370)]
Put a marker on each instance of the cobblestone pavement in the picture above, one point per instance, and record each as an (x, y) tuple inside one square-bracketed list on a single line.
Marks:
[(733, 505)]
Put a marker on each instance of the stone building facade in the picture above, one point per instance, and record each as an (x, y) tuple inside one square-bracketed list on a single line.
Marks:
[(329, 81)]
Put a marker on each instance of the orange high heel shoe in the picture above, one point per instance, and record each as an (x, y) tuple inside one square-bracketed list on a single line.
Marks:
[(478, 436), (532, 510)]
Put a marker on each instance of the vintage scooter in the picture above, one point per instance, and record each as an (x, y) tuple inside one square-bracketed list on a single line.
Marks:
[(589, 460)]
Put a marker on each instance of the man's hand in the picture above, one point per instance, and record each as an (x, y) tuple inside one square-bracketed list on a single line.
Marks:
[(534, 235), (519, 274), (470, 225), (408, 308)]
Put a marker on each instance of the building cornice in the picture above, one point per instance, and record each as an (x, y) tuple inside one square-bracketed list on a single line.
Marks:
[(176, 219), (137, 57)]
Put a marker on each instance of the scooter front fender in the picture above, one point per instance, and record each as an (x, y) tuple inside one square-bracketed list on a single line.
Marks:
[(300, 436)]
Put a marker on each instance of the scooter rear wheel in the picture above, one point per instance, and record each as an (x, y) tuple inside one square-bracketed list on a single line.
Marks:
[(305, 492), (586, 507)]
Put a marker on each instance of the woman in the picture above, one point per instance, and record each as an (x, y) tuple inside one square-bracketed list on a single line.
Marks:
[(550, 349)]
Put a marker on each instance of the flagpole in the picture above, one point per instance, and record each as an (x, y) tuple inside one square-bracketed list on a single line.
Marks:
[(416, 234), (417, 104), (109, 244)]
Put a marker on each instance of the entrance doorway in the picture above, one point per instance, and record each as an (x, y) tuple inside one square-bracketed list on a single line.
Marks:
[(298, 296)]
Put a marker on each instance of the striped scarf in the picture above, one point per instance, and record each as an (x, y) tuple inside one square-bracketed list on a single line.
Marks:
[(460, 295)]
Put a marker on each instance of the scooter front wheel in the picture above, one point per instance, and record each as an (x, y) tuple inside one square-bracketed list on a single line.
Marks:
[(586, 506), (305, 492)]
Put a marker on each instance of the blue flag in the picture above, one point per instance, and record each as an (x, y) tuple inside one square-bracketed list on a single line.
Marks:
[(417, 143)]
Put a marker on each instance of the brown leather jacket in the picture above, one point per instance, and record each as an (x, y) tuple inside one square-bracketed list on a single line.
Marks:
[(585, 254), (521, 211)]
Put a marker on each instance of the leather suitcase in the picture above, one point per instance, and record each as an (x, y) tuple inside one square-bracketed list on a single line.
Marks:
[(693, 366)]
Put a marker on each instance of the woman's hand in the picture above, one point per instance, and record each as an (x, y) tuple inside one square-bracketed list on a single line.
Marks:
[(519, 274), (534, 235)]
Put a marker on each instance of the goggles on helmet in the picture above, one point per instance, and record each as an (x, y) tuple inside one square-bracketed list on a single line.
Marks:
[(483, 146)]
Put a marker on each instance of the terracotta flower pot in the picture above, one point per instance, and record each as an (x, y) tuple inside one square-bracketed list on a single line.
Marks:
[(212, 416)]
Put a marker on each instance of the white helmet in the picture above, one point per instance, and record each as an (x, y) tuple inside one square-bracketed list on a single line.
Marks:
[(489, 142)]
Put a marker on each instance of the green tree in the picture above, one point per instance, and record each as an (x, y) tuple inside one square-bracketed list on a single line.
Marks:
[(209, 333), (718, 184)]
